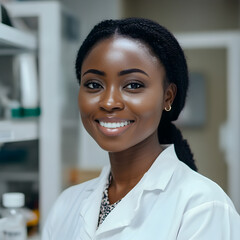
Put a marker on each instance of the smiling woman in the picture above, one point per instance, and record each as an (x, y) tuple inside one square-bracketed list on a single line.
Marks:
[(133, 83)]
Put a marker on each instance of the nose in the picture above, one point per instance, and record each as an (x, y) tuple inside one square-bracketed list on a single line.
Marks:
[(111, 100)]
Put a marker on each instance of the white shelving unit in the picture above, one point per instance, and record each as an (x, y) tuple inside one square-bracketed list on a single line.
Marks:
[(47, 129), (13, 41), (50, 47)]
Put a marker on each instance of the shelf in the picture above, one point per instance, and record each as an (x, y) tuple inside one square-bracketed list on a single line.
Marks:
[(14, 39), (19, 176), (18, 130)]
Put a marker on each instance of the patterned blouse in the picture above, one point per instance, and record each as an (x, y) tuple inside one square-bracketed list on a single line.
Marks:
[(106, 207)]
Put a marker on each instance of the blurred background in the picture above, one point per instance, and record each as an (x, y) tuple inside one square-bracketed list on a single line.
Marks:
[(43, 146)]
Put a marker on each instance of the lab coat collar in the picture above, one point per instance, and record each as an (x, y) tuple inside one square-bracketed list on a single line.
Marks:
[(161, 171), (91, 205), (157, 177)]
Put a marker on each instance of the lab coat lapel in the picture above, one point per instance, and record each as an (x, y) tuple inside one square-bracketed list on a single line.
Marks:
[(123, 214), (91, 205)]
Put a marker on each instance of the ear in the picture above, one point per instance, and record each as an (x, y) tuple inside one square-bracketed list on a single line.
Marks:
[(169, 95)]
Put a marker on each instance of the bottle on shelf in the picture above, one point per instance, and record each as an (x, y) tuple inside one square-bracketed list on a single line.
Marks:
[(26, 70), (13, 222)]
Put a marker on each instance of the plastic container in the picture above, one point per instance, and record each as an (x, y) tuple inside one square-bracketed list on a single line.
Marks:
[(26, 71), (14, 223)]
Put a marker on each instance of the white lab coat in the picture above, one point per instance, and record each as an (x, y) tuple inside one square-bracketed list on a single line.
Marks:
[(170, 202)]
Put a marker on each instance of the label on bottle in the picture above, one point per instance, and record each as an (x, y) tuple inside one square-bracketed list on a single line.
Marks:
[(15, 234), (14, 229)]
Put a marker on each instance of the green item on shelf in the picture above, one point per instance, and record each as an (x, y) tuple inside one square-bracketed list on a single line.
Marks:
[(16, 113), (31, 112)]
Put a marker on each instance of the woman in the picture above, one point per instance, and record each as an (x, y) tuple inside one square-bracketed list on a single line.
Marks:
[(133, 83)]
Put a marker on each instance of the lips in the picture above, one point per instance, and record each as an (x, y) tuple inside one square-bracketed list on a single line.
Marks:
[(113, 127)]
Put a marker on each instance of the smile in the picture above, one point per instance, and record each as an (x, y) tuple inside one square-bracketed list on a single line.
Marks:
[(114, 124), (113, 127)]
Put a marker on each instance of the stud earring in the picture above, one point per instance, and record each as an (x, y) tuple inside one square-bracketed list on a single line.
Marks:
[(168, 109)]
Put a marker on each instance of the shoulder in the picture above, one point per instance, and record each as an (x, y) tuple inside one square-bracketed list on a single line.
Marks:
[(66, 206), (72, 197), (207, 211), (70, 200), (200, 190), (76, 191), (82, 190)]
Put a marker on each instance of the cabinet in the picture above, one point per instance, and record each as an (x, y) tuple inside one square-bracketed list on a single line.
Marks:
[(55, 49)]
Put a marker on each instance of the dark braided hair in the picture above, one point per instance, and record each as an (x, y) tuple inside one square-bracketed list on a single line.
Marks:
[(167, 49)]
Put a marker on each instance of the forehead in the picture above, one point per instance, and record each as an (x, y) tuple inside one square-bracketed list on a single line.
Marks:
[(121, 50)]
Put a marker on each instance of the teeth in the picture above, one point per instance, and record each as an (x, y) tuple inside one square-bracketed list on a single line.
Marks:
[(114, 124)]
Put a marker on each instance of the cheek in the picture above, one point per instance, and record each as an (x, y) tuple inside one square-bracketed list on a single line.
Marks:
[(147, 108), (151, 118), (86, 105)]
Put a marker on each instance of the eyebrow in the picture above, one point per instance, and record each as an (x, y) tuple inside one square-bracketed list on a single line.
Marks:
[(121, 73), (95, 71), (132, 70)]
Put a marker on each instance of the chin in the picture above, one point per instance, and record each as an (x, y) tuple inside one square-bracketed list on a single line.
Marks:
[(113, 147)]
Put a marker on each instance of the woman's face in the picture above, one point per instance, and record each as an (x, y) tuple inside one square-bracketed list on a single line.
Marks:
[(122, 94)]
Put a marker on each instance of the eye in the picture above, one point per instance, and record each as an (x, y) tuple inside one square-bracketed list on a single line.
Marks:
[(93, 85), (134, 85)]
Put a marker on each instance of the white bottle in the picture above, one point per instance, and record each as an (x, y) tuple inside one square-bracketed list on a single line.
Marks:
[(26, 72), (15, 224)]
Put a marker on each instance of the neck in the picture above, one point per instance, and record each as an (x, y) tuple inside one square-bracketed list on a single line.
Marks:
[(128, 167)]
